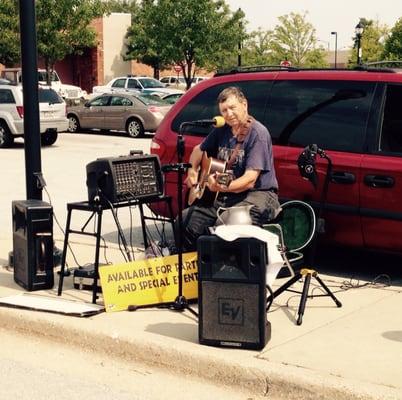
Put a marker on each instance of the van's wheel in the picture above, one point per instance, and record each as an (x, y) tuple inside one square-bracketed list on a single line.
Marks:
[(49, 138), (73, 124), (6, 138), (134, 128)]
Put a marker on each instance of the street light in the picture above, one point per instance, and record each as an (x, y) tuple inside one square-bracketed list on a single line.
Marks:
[(336, 45), (359, 32), (240, 43)]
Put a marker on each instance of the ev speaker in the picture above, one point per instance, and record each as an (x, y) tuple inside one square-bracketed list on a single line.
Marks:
[(232, 292), (33, 244)]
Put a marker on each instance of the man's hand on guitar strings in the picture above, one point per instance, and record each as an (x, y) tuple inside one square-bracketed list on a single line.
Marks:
[(213, 184)]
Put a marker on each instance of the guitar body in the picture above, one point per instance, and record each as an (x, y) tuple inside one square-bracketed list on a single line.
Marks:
[(200, 191)]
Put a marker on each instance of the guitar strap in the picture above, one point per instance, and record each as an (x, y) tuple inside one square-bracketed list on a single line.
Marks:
[(233, 156), (245, 130)]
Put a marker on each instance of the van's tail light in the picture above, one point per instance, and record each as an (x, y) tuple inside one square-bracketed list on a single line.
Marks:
[(157, 148), (20, 110)]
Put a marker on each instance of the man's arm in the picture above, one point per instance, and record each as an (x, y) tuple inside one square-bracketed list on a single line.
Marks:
[(195, 161)]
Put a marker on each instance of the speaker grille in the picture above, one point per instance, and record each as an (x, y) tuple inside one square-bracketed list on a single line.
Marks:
[(33, 244), (230, 311)]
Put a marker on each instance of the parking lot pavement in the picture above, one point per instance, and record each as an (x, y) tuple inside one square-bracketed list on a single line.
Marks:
[(352, 352), (64, 170)]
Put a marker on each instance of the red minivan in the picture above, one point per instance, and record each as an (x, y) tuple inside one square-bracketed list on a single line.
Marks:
[(355, 116)]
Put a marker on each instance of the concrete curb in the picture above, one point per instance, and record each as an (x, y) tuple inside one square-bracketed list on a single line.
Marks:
[(255, 374)]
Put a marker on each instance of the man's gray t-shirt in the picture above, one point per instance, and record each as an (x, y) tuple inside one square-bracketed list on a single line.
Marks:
[(255, 153)]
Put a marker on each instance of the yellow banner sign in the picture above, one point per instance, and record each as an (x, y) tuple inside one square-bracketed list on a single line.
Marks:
[(147, 282)]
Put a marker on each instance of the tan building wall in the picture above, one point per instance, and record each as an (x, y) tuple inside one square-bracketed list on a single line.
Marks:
[(342, 58), (114, 31)]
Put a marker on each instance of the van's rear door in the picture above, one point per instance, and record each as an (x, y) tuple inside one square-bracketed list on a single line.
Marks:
[(331, 113), (381, 185)]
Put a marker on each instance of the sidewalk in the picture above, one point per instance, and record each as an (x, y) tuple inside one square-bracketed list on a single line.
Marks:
[(353, 352)]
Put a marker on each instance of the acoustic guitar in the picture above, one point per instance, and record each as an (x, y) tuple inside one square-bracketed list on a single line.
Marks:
[(209, 166)]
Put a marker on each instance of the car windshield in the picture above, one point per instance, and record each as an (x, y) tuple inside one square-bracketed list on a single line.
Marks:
[(49, 96), (150, 83), (150, 99), (4, 81), (42, 76)]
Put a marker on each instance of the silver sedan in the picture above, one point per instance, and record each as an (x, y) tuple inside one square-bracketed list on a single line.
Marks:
[(134, 114)]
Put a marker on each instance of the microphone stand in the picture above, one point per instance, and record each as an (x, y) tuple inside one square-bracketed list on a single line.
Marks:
[(180, 302), (309, 273), (323, 198)]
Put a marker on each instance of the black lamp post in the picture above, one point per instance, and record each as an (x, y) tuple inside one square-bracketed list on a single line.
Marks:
[(239, 44), (359, 31), (336, 46)]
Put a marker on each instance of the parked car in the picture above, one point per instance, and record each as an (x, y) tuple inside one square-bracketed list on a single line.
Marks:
[(135, 85), (180, 82), (354, 116), (67, 92), (52, 116), (198, 79), (122, 112), (172, 98), (174, 81)]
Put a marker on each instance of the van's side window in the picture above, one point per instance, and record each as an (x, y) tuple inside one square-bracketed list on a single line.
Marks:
[(391, 134), (204, 105), (6, 97), (331, 114)]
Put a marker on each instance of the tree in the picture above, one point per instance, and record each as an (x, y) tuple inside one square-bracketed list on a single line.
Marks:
[(142, 45), (294, 40), (184, 32), (63, 28), (371, 42), (9, 28), (393, 44), (257, 49), (126, 6)]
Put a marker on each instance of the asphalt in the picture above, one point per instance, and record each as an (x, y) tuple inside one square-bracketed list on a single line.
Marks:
[(352, 352)]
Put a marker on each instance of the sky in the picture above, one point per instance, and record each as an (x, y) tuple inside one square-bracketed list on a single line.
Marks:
[(339, 16)]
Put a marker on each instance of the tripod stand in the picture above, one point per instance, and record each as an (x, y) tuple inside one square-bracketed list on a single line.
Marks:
[(307, 169), (180, 167)]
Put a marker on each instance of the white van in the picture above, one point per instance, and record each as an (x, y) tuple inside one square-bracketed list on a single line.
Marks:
[(52, 116), (68, 92)]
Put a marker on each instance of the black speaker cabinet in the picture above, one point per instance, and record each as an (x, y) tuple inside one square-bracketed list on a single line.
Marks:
[(232, 292), (33, 244)]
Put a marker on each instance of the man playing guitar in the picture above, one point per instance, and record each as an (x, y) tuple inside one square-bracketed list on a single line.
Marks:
[(245, 145)]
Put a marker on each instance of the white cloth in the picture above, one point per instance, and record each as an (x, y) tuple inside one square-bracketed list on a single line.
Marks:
[(275, 260)]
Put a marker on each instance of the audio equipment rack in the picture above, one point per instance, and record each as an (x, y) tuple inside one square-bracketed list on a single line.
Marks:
[(97, 208)]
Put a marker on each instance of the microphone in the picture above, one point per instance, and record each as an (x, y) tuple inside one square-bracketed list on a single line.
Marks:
[(216, 122)]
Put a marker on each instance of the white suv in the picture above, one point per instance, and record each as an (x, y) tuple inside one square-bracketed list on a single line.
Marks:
[(52, 110), (68, 92), (135, 84)]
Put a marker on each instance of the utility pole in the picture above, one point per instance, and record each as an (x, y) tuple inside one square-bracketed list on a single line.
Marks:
[(32, 143)]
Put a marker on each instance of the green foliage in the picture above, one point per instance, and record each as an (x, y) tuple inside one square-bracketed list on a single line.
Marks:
[(371, 42), (63, 27), (184, 32), (294, 40), (257, 49), (122, 6), (393, 44), (9, 36)]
